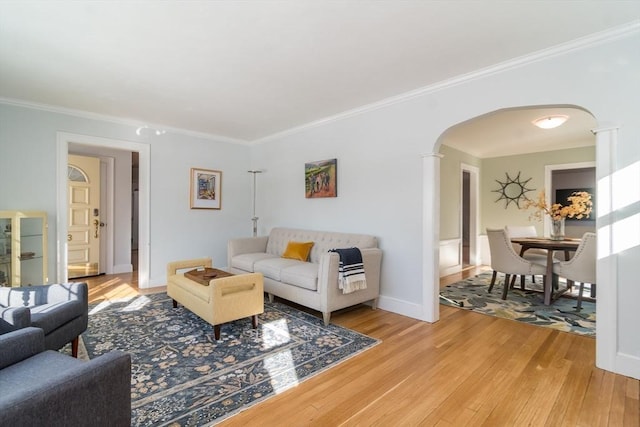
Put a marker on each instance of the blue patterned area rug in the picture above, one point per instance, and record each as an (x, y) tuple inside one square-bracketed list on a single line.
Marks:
[(523, 306), (182, 376)]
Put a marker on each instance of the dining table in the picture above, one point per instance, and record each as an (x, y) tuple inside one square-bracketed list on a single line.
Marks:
[(567, 245)]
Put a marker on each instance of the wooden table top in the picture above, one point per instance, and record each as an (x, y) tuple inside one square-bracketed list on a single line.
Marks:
[(203, 276), (545, 243)]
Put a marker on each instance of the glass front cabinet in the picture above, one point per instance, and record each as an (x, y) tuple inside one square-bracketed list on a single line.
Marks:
[(23, 248)]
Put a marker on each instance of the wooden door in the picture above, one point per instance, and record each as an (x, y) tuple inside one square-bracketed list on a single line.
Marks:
[(83, 238)]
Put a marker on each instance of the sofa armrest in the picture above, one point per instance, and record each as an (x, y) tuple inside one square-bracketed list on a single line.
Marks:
[(174, 266), (19, 345), (13, 318), (97, 393), (246, 245), (330, 262), (372, 260)]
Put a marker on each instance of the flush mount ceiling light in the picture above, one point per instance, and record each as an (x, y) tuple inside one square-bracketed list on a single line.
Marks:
[(145, 129), (550, 122)]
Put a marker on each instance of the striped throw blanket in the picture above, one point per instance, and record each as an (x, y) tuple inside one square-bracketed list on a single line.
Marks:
[(351, 270)]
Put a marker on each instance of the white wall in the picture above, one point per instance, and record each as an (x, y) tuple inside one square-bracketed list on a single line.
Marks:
[(380, 175), (380, 168), (28, 177), (496, 213), (379, 190)]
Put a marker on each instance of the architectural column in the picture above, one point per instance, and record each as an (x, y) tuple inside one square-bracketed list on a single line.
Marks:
[(606, 271), (430, 236)]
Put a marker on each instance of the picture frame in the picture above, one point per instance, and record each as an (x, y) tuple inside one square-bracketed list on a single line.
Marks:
[(321, 179), (205, 189), (562, 197)]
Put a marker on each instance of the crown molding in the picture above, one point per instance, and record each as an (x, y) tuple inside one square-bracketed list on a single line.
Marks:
[(561, 49), (574, 45), (119, 120)]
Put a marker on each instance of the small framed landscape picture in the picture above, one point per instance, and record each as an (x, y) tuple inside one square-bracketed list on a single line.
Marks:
[(205, 189), (321, 179)]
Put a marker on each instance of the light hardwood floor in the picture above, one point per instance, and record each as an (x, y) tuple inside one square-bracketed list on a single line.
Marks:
[(467, 369)]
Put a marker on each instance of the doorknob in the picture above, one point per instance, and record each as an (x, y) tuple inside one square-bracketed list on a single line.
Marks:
[(97, 224)]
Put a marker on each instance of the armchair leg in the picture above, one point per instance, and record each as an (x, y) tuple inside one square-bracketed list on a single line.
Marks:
[(493, 280), (216, 332), (579, 306), (506, 286), (74, 347), (254, 321)]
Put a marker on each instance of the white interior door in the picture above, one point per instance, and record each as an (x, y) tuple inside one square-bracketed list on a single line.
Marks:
[(83, 238)]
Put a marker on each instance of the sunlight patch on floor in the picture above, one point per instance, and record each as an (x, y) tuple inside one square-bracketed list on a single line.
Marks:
[(275, 333), (282, 371)]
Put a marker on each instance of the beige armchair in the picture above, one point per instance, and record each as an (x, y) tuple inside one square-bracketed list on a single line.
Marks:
[(505, 259), (220, 301), (539, 256), (582, 267)]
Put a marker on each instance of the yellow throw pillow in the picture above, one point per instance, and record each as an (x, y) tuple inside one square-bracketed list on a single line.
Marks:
[(298, 250)]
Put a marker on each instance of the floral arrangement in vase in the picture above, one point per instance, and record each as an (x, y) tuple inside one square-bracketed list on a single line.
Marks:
[(580, 207)]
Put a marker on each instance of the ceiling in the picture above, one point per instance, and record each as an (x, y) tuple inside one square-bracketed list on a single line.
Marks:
[(246, 70), (512, 132)]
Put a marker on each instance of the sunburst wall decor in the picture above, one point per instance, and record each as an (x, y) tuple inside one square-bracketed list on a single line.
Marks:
[(512, 190)]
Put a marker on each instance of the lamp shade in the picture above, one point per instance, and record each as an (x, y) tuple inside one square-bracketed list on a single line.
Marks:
[(550, 122)]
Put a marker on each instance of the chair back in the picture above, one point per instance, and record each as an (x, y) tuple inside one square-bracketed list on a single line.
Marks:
[(503, 257), (582, 267), (522, 231)]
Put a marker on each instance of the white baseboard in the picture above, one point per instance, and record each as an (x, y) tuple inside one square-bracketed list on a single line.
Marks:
[(402, 307)]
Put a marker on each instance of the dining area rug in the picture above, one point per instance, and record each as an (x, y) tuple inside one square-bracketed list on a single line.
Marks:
[(523, 306), (180, 375)]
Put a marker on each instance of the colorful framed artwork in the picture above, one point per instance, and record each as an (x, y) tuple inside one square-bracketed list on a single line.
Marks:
[(205, 189), (562, 197), (321, 179)]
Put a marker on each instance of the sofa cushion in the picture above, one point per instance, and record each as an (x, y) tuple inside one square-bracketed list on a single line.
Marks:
[(323, 241), (303, 276), (43, 368), (272, 267), (298, 250), (51, 316), (246, 262)]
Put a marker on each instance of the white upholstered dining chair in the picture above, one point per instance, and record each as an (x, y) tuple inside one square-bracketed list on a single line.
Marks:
[(504, 259), (539, 256), (582, 267)]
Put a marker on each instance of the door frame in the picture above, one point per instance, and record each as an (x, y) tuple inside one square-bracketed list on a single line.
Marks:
[(107, 195), (62, 149), (548, 182), (474, 196)]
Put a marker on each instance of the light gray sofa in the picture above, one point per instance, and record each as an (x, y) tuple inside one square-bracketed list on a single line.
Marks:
[(47, 388), (313, 284)]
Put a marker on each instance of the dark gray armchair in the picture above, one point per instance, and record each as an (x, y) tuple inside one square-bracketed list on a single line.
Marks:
[(43, 387), (60, 310)]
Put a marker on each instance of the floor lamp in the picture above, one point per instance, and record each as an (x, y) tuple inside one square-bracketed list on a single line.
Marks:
[(255, 218)]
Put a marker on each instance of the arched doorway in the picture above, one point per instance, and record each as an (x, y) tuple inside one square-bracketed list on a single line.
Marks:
[(505, 132)]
